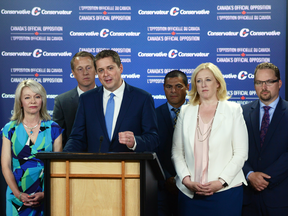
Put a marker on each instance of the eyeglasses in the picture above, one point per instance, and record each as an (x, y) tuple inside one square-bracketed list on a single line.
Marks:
[(267, 82)]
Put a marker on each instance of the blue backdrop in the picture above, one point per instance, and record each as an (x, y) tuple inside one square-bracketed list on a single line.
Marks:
[(39, 38)]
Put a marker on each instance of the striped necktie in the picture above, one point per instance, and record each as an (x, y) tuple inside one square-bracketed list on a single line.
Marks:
[(176, 111)]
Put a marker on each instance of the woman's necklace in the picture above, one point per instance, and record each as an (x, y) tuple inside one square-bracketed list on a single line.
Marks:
[(208, 131), (31, 128)]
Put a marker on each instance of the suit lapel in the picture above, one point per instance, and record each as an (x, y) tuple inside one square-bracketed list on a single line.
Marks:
[(254, 119), (190, 123), (218, 118), (99, 110), (74, 94), (277, 116), (167, 118), (74, 99), (126, 101)]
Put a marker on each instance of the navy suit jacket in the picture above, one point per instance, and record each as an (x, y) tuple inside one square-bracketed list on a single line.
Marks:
[(272, 158), (166, 130), (65, 108), (137, 114)]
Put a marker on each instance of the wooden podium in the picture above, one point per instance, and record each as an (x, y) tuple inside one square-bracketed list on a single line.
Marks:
[(101, 184)]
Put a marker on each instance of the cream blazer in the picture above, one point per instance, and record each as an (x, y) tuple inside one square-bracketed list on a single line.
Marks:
[(228, 145)]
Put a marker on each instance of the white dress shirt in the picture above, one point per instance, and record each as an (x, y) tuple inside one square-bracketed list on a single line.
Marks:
[(117, 101), (80, 91)]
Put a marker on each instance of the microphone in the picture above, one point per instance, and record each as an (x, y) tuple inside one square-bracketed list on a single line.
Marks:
[(101, 140)]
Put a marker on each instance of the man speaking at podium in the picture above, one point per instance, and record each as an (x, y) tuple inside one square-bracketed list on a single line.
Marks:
[(115, 117)]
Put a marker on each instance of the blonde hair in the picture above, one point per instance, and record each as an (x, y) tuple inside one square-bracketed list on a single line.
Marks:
[(221, 91), (18, 112)]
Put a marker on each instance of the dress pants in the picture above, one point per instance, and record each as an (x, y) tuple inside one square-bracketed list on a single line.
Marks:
[(259, 208)]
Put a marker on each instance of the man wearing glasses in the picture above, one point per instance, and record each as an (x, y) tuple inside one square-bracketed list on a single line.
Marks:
[(266, 169)]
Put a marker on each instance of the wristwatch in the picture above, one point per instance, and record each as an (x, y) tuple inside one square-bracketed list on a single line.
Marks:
[(224, 184)]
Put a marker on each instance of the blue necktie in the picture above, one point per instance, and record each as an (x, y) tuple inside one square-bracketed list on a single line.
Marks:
[(264, 124), (109, 114)]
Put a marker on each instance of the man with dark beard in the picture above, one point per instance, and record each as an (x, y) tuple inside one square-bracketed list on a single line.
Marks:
[(266, 169)]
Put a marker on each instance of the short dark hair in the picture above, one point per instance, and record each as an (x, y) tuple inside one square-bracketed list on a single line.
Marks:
[(108, 53), (176, 73), (267, 65), (81, 54)]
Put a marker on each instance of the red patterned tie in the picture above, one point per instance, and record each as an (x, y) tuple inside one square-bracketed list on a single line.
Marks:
[(264, 124)]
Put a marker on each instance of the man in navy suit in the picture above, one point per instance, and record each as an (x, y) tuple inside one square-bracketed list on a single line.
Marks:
[(175, 87), (65, 105), (133, 118), (266, 169)]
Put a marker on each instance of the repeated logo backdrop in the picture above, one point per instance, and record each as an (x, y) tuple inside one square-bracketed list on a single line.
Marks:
[(39, 38)]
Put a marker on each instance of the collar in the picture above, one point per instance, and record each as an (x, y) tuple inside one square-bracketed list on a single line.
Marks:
[(118, 91), (170, 107), (272, 105), (80, 91)]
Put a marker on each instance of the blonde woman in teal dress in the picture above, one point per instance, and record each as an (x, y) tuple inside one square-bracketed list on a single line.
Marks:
[(30, 131)]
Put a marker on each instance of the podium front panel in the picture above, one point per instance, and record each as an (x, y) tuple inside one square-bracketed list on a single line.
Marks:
[(101, 184), (88, 187)]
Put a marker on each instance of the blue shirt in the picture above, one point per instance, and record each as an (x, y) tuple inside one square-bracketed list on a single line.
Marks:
[(261, 113), (271, 110), (172, 113)]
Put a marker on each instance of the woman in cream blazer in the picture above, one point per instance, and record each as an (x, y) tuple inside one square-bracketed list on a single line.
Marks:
[(220, 190)]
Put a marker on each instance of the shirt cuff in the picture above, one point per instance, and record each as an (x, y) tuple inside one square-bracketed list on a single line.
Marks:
[(222, 181), (134, 147), (248, 175)]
